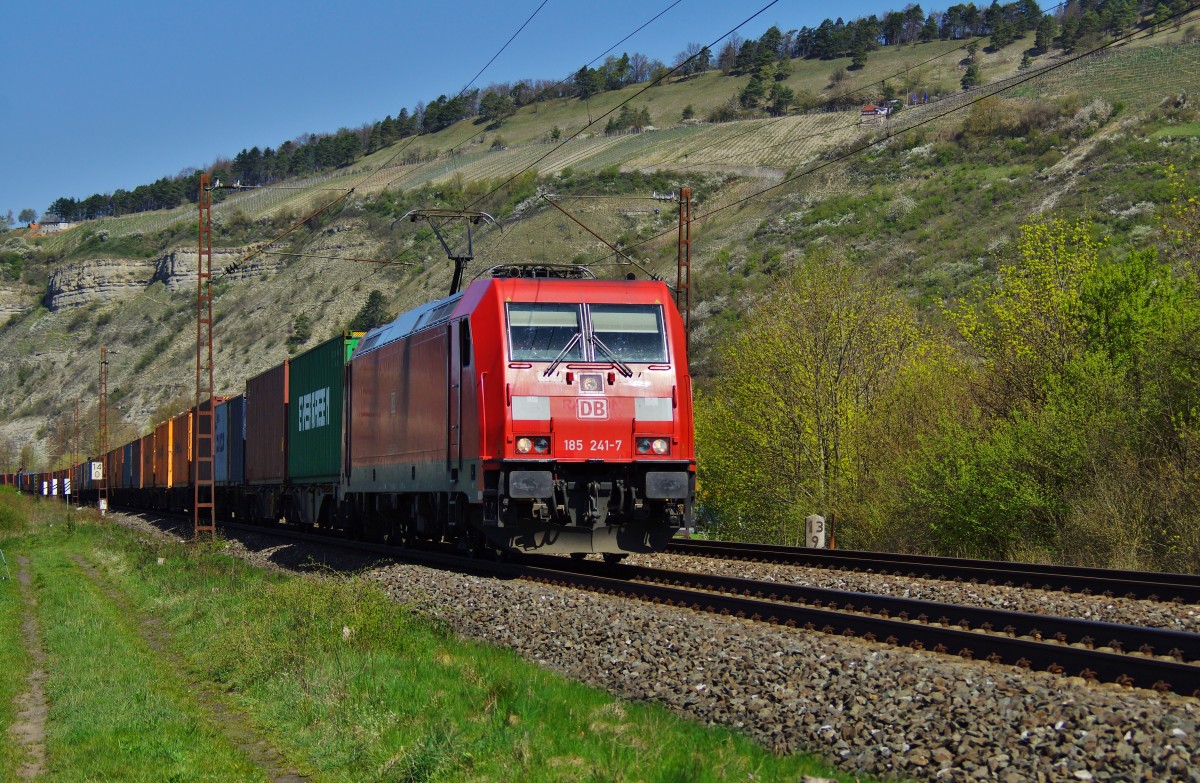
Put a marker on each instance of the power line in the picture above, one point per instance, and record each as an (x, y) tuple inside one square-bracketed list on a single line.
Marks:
[(338, 258), (636, 95), (562, 81), (367, 176), (934, 118), (537, 98), (785, 142), (836, 99), (502, 48)]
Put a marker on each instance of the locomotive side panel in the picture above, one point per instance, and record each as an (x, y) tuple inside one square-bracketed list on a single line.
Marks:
[(399, 417)]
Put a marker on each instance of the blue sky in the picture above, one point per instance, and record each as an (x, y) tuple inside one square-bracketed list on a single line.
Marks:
[(110, 95)]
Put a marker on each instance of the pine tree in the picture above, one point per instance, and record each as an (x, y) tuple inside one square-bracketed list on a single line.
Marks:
[(373, 313), (971, 77)]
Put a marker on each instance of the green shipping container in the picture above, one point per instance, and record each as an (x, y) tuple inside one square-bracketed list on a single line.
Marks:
[(315, 410)]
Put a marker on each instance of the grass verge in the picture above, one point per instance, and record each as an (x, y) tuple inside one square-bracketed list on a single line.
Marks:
[(349, 685), (14, 659), (117, 711)]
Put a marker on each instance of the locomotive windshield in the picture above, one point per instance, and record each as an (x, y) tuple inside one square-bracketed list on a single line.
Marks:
[(539, 332), (634, 333), (621, 333)]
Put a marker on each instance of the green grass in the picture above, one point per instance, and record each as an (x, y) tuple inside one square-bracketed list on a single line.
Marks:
[(1189, 130), (402, 699), (14, 661), (344, 681), (118, 711)]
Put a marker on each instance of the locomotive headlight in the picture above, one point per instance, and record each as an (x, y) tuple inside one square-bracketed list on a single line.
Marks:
[(524, 445), (541, 445), (658, 446)]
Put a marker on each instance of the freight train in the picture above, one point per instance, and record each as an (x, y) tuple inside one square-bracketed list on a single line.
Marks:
[(526, 413)]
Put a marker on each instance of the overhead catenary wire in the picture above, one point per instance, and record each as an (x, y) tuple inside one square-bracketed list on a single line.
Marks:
[(562, 81), (623, 103), (502, 48), (339, 258), (784, 143), (836, 99), (537, 98), (756, 128), (878, 141), (387, 162)]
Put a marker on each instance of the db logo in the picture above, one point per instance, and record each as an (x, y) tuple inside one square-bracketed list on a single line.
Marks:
[(593, 409)]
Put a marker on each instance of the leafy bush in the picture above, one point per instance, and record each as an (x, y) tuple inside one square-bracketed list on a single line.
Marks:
[(11, 265), (14, 512)]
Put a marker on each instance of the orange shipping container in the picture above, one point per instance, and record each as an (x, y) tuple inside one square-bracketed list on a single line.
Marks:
[(146, 479), (181, 450), (162, 455)]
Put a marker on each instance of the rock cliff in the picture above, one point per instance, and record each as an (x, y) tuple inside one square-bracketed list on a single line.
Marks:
[(110, 279)]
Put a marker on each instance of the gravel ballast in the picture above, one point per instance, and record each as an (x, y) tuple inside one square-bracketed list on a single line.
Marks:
[(869, 707)]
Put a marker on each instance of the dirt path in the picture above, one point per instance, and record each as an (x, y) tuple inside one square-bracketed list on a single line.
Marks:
[(232, 723), (32, 707)]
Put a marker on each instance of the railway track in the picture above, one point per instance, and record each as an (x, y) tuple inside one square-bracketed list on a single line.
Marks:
[(1152, 658), (1152, 586)]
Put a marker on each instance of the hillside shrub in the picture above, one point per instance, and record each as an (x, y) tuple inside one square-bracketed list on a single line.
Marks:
[(11, 265)]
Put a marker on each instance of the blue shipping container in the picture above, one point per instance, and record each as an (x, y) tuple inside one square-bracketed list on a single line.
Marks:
[(236, 438)]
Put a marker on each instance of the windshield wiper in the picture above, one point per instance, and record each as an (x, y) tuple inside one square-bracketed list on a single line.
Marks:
[(621, 366), (563, 354)]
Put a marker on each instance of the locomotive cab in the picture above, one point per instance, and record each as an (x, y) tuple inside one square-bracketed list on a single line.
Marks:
[(597, 443)]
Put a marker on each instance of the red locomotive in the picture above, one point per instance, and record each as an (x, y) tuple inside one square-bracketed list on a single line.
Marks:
[(525, 414)]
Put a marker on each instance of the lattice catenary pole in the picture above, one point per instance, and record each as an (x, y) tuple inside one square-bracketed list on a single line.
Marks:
[(76, 487), (102, 433), (204, 507)]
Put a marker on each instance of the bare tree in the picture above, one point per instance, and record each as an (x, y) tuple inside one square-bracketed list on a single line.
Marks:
[(728, 56), (639, 67), (689, 51)]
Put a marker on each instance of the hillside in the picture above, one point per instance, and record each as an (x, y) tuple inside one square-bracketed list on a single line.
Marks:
[(932, 211)]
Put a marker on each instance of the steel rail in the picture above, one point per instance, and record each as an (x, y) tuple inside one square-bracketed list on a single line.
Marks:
[(1147, 585), (1121, 668), (868, 617), (1181, 646)]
